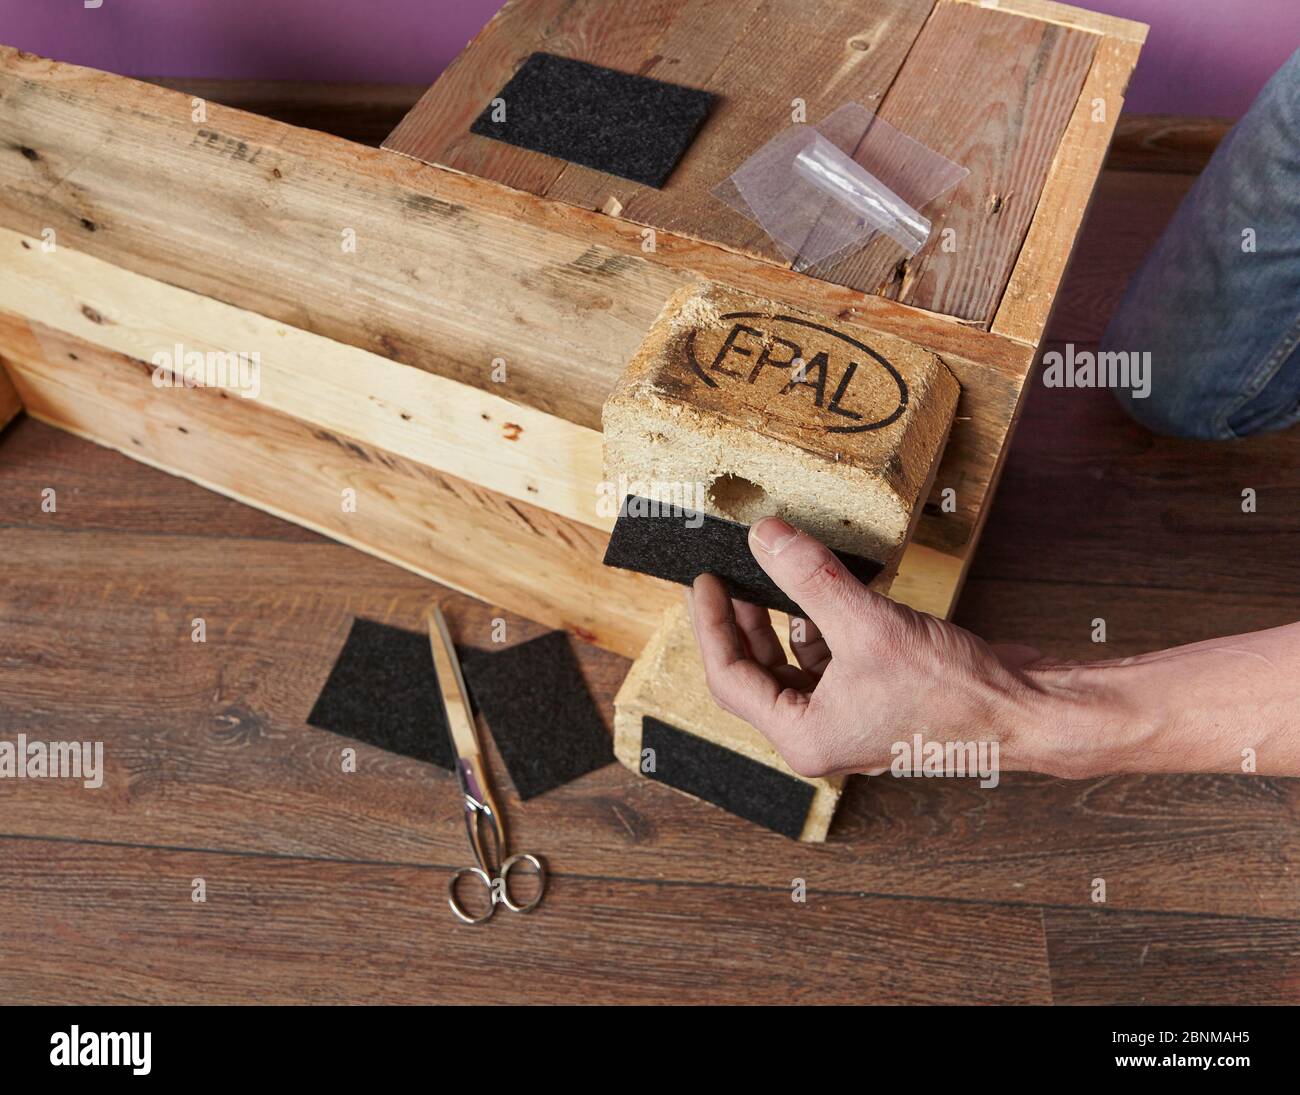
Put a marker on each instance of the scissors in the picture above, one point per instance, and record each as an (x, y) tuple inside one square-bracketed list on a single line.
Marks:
[(483, 820)]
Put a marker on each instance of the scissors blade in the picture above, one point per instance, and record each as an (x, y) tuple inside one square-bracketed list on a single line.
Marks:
[(471, 772)]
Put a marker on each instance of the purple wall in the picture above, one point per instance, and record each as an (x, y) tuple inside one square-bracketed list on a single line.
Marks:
[(1202, 57)]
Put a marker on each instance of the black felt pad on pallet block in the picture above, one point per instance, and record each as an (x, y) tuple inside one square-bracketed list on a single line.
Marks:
[(680, 545), (631, 126), (536, 704), (383, 691), (738, 784)]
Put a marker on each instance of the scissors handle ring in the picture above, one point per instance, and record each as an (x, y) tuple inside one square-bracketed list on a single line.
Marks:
[(454, 901), (540, 870)]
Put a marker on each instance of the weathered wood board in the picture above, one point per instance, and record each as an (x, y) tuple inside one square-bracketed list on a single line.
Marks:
[(989, 89)]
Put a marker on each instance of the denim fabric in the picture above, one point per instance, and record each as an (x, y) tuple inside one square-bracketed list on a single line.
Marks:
[(1222, 323)]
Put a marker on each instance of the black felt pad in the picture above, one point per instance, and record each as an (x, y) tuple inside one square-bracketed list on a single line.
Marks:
[(630, 126), (739, 785), (683, 545), (383, 690), (543, 719)]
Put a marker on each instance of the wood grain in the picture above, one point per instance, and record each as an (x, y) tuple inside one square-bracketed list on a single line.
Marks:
[(1026, 304), (1101, 485), (991, 89), (994, 93), (1129, 958), (1166, 142), (509, 448), (211, 750), (438, 525), (562, 296), (756, 57), (1068, 15), (1127, 216), (402, 449), (334, 932)]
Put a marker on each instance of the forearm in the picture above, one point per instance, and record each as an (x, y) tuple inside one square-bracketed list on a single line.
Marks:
[(1227, 705)]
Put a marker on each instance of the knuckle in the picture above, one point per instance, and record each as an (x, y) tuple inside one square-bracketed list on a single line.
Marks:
[(821, 576), (718, 689)]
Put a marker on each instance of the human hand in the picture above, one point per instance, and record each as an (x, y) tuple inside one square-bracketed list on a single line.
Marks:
[(870, 672)]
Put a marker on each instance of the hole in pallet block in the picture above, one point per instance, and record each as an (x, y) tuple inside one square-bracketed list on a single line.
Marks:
[(739, 498)]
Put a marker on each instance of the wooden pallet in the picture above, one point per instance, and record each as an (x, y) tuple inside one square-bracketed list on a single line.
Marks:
[(383, 293)]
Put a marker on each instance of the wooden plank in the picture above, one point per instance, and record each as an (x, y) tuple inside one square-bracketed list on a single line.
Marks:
[(1108, 957), (296, 923), (822, 52), (994, 93), (757, 57), (1031, 293), (442, 527), (1067, 15), (621, 36), (562, 296), (508, 448)]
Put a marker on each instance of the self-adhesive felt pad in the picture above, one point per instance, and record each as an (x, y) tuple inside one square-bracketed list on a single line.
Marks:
[(543, 719), (383, 691), (681, 545), (739, 785), (630, 126)]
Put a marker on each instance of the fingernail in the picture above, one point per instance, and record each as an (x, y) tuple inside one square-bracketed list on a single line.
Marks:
[(772, 534)]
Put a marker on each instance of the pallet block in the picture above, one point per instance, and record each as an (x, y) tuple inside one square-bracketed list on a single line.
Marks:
[(666, 685), (753, 408)]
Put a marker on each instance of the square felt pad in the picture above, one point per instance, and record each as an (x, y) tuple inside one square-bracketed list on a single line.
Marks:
[(541, 715), (631, 126), (683, 545), (383, 690), (738, 784)]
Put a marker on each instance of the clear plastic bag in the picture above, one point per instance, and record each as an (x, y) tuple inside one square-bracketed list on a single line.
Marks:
[(823, 191)]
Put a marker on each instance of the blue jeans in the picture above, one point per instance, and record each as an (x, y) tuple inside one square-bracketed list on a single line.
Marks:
[(1217, 301)]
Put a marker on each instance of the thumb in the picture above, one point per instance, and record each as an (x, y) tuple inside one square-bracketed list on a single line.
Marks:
[(809, 574)]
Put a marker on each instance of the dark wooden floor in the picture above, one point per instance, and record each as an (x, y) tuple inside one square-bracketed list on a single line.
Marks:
[(325, 886)]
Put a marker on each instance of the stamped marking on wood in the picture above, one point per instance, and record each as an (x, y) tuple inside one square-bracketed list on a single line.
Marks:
[(824, 360)]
